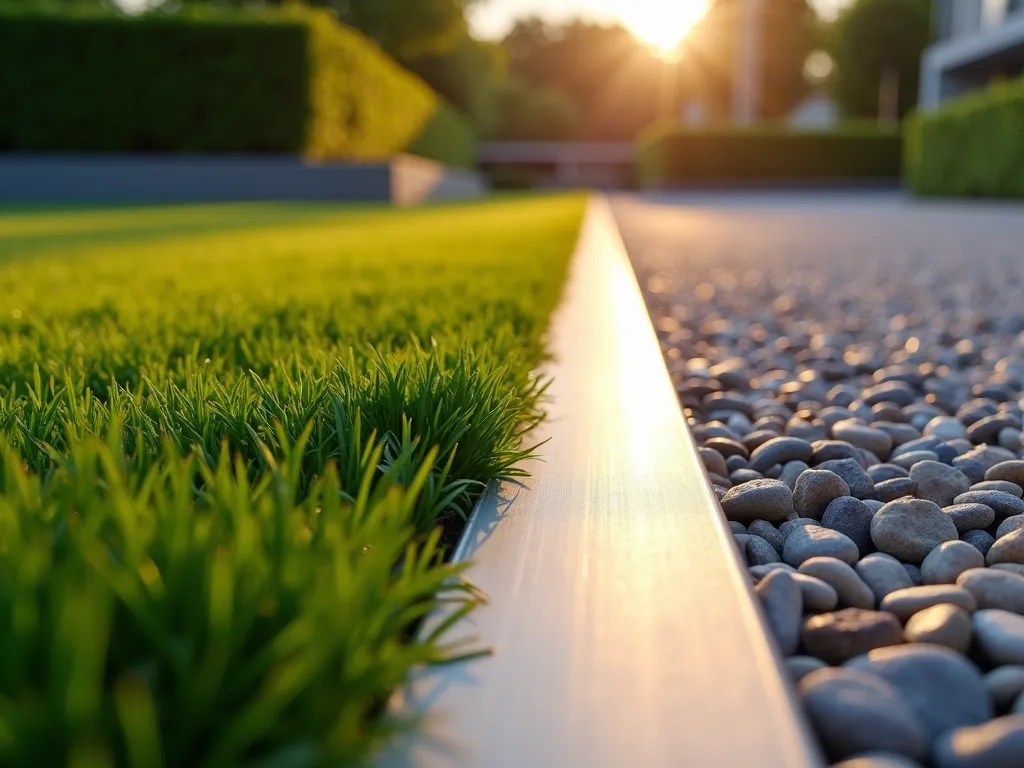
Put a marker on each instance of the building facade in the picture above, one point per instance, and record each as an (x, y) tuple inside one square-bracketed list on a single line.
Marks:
[(978, 41)]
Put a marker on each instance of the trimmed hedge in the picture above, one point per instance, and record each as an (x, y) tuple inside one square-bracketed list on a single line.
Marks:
[(447, 137), (680, 154), (972, 146), (289, 81)]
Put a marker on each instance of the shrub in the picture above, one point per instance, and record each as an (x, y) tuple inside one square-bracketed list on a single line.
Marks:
[(203, 80), (678, 154), (447, 137), (971, 146)]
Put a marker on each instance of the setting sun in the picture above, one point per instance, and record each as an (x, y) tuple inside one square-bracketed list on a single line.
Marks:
[(662, 24)]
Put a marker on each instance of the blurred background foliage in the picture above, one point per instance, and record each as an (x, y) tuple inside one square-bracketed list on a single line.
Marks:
[(590, 81)]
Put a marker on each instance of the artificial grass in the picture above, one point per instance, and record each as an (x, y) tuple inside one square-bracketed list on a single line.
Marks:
[(227, 437)]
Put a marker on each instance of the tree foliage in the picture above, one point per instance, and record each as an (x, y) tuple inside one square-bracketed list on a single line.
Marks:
[(710, 52), (871, 36)]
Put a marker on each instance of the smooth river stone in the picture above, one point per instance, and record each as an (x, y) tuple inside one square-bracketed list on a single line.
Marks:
[(842, 635), (850, 588), (1008, 548), (780, 450), (947, 561), (999, 485), (860, 484), (943, 624), (783, 607), (853, 712), (1009, 525), (883, 574), (994, 588), (759, 499), (1004, 685), (1004, 504), (815, 489), (851, 517), (970, 517), (998, 744), (809, 541), (942, 687), (1000, 636), (819, 596), (906, 602), (937, 482), (909, 529), (800, 667)]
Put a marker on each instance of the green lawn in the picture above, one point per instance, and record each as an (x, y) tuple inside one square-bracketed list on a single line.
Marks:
[(229, 439)]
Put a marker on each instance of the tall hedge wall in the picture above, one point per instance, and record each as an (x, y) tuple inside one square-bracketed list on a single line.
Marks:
[(290, 81), (972, 146), (671, 155)]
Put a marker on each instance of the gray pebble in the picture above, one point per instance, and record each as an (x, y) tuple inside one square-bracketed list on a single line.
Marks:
[(791, 470), (980, 540), (898, 487), (998, 744), (973, 468), (842, 635), (883, 574), (851, 589), (942, 624), (945, 428), (832, 450), (787, 528), (819, 596), (740, 476), (1000, 636), (914, 573), (946, 562), (1008, 548), (809, 541), (783, 607), (768, 532), (943, 688), (760, 552), (938, 483), (873, 504), (726, 446), (968, 517), (1004, 504), (1004, 685), (1010, 471), (800, 667), (909, 529), (815, 489), (732, 463), (758, 499), (906, 602), (1009, 525), (758, 572), (780, 450), (851, 517), (908, 460), (861, 436), (1015, 568), (879, 473), (853, 474), (994, 588), (987, 430), (853, 712), (737, 527), (713, 461), (999, 485)]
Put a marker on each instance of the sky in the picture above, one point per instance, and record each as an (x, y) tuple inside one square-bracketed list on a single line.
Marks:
[(492, 18)]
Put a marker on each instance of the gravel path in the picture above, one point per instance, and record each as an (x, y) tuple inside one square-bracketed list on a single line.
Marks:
[(853, 368)]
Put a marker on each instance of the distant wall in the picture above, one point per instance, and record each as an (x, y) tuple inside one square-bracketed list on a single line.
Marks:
[(405, 180)]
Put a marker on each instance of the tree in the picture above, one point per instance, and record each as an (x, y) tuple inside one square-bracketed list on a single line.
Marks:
[(406, 28), (876, 40), (615, 83), (710, 53)]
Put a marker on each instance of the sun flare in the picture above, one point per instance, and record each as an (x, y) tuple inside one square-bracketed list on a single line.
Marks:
[(662, 24)]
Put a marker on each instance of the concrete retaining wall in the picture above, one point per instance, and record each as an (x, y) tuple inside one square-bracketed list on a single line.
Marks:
[(405, 180)]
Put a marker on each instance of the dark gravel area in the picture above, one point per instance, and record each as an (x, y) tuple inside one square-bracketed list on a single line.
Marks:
[(852, 368)]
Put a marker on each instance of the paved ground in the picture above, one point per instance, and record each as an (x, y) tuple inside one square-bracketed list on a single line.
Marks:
[(883, 257)]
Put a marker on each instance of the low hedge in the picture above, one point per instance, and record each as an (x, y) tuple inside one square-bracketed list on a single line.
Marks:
[(971, 146), (669, 155), (447, 137), (202, 80)]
